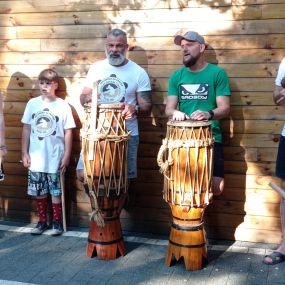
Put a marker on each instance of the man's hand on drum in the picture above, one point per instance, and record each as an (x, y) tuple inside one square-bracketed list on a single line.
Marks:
[(64, 163), (129, 111), (199, 115), (179, 116)]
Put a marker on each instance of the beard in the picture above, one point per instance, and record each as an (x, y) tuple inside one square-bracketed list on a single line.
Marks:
[(190, 61), (117, 59)]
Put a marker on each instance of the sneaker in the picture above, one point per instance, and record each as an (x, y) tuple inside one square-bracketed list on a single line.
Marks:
[(57, 228), (40, 228)]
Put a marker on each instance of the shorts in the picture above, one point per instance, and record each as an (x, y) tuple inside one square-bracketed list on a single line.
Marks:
[(132, 158), (41, 183), (280, 161), (219, 169)]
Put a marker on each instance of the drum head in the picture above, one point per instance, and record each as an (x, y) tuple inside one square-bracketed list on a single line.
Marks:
[(189, 123)]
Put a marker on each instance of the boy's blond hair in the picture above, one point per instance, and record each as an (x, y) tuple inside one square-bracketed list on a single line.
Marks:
[(49, 75)]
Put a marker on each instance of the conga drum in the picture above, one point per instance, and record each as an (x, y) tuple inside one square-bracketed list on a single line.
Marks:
[(185, 159), (105, 167)]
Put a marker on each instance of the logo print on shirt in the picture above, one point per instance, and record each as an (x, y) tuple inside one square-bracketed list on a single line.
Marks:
[(194, 91), (112, 89), (44, 124)]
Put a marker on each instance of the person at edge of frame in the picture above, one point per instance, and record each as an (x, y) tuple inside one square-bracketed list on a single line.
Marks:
[(136, 93), (46, 149), (200, 91), (3, 148), (278, 255)]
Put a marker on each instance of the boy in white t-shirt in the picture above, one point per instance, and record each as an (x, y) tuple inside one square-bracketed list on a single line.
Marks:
[(46, 148)]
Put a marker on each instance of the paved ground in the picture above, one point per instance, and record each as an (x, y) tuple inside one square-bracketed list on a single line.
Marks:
[(61, 260)]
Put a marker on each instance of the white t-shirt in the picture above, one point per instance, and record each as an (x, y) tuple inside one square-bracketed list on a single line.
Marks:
[(48, 121), (121, 82), (279, 77), (281, 73)]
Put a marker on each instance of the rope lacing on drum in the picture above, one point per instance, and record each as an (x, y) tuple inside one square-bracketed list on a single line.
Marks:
[(96, 214), (190, 143), (100, 136), (164, 165)]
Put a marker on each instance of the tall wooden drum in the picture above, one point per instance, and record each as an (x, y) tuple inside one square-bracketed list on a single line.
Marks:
[(105, 166), (185, 159)]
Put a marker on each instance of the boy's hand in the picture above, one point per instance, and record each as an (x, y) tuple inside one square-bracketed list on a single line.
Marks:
[(26, 159), (64, 163)]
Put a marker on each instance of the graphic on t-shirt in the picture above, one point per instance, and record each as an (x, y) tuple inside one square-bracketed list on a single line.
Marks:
[(194, 91), (44, 124), (112, 90)]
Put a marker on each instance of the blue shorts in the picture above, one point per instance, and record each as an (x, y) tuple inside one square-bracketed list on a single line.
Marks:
[(280, 161), (40, 183), (218, 168), (132, 157)]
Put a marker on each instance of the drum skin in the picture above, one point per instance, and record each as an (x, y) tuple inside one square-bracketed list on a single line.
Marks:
[(186, 162)]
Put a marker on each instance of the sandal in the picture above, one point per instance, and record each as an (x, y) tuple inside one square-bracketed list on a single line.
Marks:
[(276, 257)]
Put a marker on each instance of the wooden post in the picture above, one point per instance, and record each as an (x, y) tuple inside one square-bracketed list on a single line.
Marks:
[(62, 184)]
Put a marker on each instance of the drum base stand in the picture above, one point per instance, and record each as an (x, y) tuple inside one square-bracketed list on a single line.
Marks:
[(187, 237), (106, 242)]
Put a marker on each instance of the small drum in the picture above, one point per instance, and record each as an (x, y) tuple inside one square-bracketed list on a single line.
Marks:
[(185, 159), (105, 167)]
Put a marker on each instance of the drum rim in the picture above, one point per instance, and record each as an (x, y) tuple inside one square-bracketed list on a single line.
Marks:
[(111, 106), (189, 123), (105, 106)]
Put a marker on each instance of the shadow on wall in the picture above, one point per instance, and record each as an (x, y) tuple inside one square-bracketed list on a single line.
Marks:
[(15, 204), (226, 213)]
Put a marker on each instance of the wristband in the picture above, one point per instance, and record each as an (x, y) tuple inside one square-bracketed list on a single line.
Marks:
[(211, 114)]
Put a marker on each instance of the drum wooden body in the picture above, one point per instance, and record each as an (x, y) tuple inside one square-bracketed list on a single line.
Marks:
[(105, 166), (185, 159)]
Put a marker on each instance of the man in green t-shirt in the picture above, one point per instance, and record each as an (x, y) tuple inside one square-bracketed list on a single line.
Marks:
[(200, 91)]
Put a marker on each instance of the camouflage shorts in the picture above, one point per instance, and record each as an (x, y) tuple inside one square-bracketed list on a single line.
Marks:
[(40, 183)]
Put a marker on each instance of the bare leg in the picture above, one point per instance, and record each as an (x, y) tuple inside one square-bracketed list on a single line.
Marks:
[(281, 247)]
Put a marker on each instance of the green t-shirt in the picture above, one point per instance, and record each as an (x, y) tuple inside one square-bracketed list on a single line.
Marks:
[(198, 91)]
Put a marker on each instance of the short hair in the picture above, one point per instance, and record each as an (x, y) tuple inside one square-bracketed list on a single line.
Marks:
[(116, 33), (49, 75)]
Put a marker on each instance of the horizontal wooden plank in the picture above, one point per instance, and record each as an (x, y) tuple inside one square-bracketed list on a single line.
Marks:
[(252, 140), (250, 235), (152, 30), (77, 5), (264, 62), (154, 15), (154, 70), (251, 125), (215, 43), (138, 15)]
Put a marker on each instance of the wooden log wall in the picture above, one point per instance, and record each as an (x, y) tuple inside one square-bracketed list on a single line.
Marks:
[(246, 37)]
